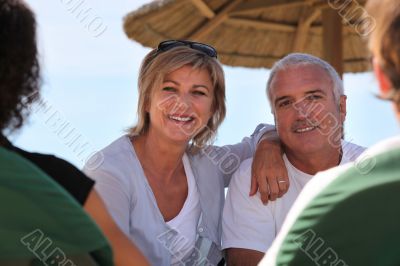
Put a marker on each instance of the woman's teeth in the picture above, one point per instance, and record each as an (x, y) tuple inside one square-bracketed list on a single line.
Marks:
[(306, 129), (180, 119)]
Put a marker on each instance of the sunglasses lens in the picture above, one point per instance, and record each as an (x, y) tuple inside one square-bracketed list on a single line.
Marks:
[(208, 50), (167, 45)]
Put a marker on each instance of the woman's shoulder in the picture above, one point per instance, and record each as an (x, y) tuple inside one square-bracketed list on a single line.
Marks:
[(118, 146), (113, 155), (117, 163)]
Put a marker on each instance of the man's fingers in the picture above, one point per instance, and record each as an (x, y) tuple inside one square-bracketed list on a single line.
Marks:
[(253, 186), (283, 186), (263, 189), (270, 187), (264, 198), (274, 188)]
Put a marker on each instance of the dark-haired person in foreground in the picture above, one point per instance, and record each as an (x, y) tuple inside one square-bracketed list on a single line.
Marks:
[(350, 215), (19, 88)]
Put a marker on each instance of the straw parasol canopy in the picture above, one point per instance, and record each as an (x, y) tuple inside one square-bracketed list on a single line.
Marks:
[(257, 33)]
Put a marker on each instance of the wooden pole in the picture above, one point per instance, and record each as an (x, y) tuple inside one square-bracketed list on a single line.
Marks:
[(303, 28), (214, 22), (333, 39)]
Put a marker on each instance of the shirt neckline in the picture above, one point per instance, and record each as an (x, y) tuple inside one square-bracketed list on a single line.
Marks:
[(191, 186), (146, 182), (342, 161)]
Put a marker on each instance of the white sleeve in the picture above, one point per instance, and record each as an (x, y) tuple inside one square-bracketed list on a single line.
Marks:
[(246, 222), (115, 194)]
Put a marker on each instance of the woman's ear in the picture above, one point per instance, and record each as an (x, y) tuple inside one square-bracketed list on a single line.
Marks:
[(384, 83), (147, 106)]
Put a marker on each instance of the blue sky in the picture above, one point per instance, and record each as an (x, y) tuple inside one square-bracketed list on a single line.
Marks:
[(90, 86)]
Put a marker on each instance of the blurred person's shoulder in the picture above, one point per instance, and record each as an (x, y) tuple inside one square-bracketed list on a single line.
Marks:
[(61, 171)]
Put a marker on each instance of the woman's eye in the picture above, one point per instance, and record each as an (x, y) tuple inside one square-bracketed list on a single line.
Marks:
[(168, 89), (201, 93)]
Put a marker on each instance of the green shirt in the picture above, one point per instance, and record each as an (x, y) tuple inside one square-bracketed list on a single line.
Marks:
[(41, 221), (354, 220)]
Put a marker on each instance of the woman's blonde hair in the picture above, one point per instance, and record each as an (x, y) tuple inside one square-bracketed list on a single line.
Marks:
[(154, 68)]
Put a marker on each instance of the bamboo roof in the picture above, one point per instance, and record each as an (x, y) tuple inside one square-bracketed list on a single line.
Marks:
[(251, 33)]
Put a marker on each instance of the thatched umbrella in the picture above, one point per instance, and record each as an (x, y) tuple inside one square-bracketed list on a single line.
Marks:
[(256, 33)]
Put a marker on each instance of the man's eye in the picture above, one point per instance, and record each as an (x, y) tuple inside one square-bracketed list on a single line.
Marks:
[(284, 104), (314, 97)]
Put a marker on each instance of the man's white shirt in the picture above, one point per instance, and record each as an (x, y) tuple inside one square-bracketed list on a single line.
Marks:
[(249, 224)]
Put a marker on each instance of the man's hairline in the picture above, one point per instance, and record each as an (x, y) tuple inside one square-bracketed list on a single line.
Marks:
[(299, 64)]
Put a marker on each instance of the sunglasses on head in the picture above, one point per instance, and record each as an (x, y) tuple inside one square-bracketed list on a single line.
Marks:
[(205, 48)]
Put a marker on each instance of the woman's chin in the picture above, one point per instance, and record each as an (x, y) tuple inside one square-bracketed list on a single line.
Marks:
[(177, 136), (181, 133)]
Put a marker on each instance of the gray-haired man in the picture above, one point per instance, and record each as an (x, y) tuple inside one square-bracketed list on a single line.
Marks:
[(309, 106)]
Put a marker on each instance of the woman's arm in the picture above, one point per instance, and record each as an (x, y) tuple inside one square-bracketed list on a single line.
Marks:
[(125, 252)]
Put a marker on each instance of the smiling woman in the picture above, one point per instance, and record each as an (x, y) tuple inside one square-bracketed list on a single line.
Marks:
[(161, 182), (182, 106), (158, 71), (148, 175)]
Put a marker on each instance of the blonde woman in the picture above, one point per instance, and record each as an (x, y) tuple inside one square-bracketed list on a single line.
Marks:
[(162, 182)]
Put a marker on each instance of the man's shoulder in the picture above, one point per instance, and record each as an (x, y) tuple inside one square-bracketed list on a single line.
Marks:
[(370, 175), (242, 175), (351, 151), (365, 166), (245, 166), (324, 178)]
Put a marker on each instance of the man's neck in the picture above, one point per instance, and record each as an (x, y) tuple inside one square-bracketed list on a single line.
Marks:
[(312, 163)]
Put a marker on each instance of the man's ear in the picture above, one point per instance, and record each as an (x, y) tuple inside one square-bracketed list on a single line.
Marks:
[(384, 83), (342, 107)]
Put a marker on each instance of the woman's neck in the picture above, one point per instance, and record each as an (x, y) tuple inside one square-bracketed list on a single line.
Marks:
[(163, 159)]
